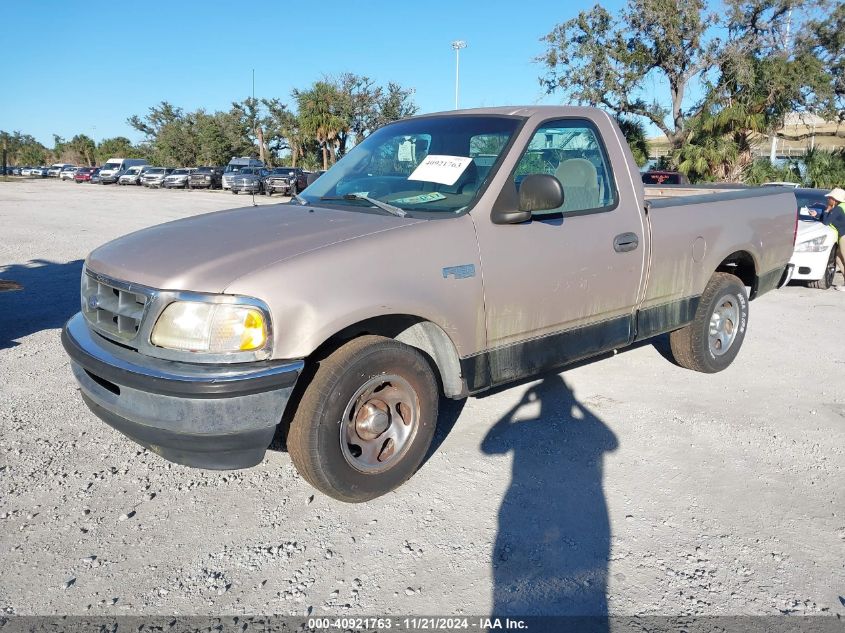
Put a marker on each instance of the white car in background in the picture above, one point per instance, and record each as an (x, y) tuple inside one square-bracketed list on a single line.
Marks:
[(56, 169), (68, 172), (815, 244)]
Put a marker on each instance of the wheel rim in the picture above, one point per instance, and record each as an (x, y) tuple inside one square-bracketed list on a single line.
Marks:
[(379, 423), (724, 325)]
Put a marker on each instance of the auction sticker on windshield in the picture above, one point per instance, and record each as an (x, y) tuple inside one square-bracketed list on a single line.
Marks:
[(444, 170), (420, 199)]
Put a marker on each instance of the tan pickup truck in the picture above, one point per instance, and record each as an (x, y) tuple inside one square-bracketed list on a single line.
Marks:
[(444, 255)]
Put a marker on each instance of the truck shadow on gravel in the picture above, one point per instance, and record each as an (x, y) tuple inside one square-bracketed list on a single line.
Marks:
[(48, 296), (553, 544)]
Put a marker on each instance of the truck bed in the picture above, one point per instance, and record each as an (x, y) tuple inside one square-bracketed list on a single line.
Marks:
[(655, 192)]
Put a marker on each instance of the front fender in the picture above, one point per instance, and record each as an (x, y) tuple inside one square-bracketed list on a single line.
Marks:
[(430, 269)]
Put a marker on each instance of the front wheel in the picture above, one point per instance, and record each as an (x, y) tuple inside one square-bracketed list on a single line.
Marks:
[(711, 342), (366, 420), (829, 273)]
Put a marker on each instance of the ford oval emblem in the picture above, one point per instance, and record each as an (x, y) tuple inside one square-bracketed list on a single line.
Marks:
[(93, 302)]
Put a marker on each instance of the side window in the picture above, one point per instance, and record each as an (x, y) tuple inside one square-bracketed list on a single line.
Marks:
[(571, 151)]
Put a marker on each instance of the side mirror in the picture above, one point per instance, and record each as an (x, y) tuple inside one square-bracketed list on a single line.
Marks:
[(537, 192), (540, 192)]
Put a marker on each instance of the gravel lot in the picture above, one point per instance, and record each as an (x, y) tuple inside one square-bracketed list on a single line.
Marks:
[(626, 485)]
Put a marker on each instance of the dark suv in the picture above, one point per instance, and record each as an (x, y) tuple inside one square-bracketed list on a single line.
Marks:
[(206, 178), (286, 180)]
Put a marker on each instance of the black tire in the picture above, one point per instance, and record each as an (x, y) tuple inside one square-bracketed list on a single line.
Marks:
[(234, 193), (315, 438), (693, 347), (830, 272)]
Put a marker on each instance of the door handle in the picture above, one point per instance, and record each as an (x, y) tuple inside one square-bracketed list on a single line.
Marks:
[(625, 242)]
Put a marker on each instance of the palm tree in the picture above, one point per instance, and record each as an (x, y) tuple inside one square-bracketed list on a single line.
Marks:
[(634, 132), (824, 169), (319, 116)]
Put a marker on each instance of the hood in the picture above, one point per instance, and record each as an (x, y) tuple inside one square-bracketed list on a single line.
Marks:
[(810, 229), (206, 253)]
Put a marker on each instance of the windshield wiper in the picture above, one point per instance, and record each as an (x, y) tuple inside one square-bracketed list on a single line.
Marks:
[(302, 201), (397, 211)]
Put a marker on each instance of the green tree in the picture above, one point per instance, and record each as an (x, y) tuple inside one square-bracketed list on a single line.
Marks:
[(601, 60), (758, 80), (32, 154), (83, 149), (396, 103), (824, 38), (23, 149), (252, 125), (158, 116), (762, 170), (634, 133), (59, 148), (119, 146), (321, 116), (824, 169), (757, 62)]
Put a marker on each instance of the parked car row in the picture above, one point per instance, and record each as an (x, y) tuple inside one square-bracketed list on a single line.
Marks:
[(241, 174), (237, 178), (247, 175), (284, 180)]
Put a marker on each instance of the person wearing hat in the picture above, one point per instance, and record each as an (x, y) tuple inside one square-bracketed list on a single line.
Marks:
[(834, 217)]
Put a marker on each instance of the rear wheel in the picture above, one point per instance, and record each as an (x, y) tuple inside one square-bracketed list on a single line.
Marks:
[(366, 419), (829, 272), (711, 342)]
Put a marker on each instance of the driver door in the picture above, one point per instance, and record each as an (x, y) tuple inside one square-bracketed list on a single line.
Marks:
[(560, 288)]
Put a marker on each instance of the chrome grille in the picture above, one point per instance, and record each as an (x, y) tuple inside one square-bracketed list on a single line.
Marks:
[(113, 308)]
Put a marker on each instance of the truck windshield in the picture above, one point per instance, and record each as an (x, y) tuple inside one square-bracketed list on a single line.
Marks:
[(430, 164), (235, 168), (111, 166)]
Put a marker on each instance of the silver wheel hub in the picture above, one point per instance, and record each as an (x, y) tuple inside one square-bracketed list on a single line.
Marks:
[(372, 420), (724, 324), (379, 423)]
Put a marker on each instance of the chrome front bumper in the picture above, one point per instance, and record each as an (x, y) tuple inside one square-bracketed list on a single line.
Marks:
[(207, 416)]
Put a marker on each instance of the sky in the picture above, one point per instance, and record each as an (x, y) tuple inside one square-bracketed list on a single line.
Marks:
[(71, 69)]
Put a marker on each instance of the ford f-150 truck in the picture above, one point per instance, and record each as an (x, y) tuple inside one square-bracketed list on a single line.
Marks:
[(444, 255)]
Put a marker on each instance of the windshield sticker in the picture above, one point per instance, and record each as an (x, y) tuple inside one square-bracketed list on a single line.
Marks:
[(407, 152), (420, 199), (361, 194), (444, 170)]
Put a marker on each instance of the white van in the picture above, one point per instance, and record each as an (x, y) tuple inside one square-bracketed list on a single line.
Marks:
[(109, 171), (235, 165)]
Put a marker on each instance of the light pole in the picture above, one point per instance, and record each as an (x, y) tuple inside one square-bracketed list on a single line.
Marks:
[(457, 45)]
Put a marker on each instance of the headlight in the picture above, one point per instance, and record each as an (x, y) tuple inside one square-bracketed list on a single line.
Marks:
[(815, 245), (208, 177), (220, 328)]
